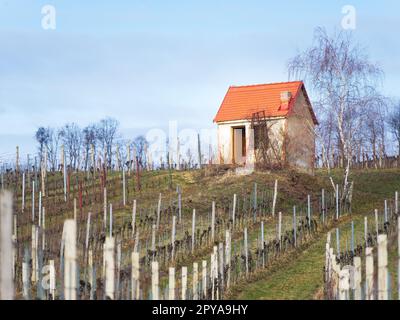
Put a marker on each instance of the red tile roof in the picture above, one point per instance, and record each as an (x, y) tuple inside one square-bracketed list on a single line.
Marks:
[(241, 102)]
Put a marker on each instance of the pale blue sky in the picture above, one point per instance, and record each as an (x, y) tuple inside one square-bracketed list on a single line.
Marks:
[(147, 62)]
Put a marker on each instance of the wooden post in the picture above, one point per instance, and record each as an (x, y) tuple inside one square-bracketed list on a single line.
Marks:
[(221, 266), (23, 191), (294, 227), (180, 205), (158, 211), (111, 220), (43, 228), (376, 223), (109, 246), (6, 246), (64, 165), (184, 282), (213, 222), (173, 237), (70, 257), (153, 241), (195, 281), (369, 274), (135, 275), (396, 204), (34, 256), (275, 197), (398, 255), (133, 218), (105, 208), (87, 234), (382, 267), (33, 201), (386, 211), (338, 242), (154, 281), (25, 279), (171, 284), (193, 229), (280, 230), (123, 187), (75, 209), (233, 211), (357, 278), (337, 201), (204, 279), (323, 206), (246, 252), (352, 236), (309, 210), (228, 257), (366, 231)]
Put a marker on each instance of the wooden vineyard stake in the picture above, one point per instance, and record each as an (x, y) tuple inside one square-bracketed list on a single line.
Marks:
[(171, 284), (64, 173), (70, 257), (221, 266), (396, 204), (376, 223), (195, 281), (158, 211), (105, 208), (111, 220), (43, 228), (173, 237), (386, 212), (133, 218), (323, 206), (366, 231), (369, 274), (337, 201), (280, 230), (154, 281), (123, 187), (294, 226), (398, 257), (193, 229), (246, 253), (234, 211), (228, 257), (23, 192), (338, 242), (382, 267), (153, 241), (33, 201), (87, 235), (135, 276), (109, 247), (6, 246), (213, 222), (275, 197), (34, 254), (309, 210), (184, 283), (204, 279), (91, 277), (357, 278), (25, 278), (352, 237), (75, 209), (119, 257), (180, 205)]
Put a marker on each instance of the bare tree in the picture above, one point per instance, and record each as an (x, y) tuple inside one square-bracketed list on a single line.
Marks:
[(394, 124), (42, 137), (89, 140), (71, 137), (140, 143), (107, 131), (52, 147), (344, 82)]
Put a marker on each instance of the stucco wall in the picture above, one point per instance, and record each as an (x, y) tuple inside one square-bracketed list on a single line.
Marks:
[(300, 149)]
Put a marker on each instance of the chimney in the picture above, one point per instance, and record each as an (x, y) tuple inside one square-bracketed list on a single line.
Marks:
[(285, 99)]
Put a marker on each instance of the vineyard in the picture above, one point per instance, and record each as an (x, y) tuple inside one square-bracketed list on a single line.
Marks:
[(158, 234)]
